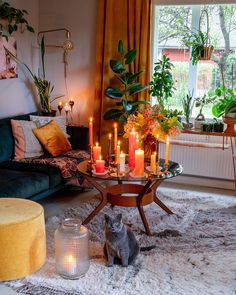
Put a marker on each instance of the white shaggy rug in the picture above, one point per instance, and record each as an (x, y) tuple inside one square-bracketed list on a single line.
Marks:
[(195, 251)]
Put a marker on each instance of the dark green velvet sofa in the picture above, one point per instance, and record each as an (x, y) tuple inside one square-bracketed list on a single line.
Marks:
[(24, 180)]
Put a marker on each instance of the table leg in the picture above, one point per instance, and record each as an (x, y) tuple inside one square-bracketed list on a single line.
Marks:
[(144, 220), (103, 202)]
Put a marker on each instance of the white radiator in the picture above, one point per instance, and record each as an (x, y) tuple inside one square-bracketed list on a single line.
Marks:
[(202, 161)]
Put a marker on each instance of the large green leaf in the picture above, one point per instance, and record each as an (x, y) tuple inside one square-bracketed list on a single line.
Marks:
[(112, 114), (130, 56), (117, 66), (137, 89), (215, 111), (120, 47), (132, 77), (114, 93)]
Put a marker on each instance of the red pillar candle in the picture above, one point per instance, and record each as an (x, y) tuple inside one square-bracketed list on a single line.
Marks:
[(96, 151), (100, 165), (91, 132), (139, 163), (132, 147)]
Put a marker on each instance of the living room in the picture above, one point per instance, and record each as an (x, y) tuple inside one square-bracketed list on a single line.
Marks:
[(142, 120)]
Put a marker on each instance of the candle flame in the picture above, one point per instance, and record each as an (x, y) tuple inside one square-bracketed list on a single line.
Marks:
[(100, 157), (60, 103), (118, 143), (115, 125), (109, 135), (91, 120), (167, 139), (96, 143), (157, 136), (133, 129), (70, 258)]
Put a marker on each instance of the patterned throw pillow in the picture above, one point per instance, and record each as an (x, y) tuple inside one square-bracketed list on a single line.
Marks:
[(26, 144), (52, 138), (43, 120)]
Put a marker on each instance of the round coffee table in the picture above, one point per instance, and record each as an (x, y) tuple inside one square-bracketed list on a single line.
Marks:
[(126, 192)]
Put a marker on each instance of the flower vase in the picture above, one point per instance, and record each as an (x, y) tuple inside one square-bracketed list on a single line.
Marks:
[(149, 146)]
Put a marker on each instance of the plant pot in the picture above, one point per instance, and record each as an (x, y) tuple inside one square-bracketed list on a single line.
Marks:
[(206, 53), (198, 121), (230, 115), (230, 124), (187, 126), (218, 127), (207, 127)]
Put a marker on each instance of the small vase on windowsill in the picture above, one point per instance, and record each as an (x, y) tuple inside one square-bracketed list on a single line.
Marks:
[(198, 121)]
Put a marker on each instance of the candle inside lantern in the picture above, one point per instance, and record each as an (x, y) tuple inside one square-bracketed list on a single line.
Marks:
[(153, 162), (70, 265), (122, 162), (139, 163), (91, 132), (67, 108), (167, 151), (100, 165), (96, 152), (118, 153), (132, 147)]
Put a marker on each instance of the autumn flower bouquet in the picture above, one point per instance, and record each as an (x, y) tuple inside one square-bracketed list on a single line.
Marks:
[(150, 122)]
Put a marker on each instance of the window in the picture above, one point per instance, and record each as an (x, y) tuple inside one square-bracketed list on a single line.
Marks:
[(171, 24)]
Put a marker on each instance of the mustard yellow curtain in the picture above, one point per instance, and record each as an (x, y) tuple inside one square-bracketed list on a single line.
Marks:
[(129, 21)]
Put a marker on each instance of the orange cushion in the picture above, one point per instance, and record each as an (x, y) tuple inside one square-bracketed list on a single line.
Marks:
[(52, 138)]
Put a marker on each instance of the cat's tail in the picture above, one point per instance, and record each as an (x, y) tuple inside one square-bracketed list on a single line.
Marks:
[(148, 248)]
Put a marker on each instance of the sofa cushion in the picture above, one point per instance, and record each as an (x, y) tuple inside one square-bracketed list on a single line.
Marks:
[(22, 184), (52, 138), (26, 144), (53, 173)]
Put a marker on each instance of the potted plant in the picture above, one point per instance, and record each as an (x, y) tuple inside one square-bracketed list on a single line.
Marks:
[(162, 84), (218, 125), (123, 96), (44, 87), (12, 19), (201, 102), (187, 103), (173, 113), (199, 41), (207, 126)]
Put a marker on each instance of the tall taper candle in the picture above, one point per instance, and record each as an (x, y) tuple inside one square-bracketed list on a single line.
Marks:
[(118, 153), (109, 147), (115, 136), (167, 150), (91, 132)]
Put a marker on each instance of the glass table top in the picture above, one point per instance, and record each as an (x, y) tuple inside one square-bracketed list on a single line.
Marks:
[(174, 169)]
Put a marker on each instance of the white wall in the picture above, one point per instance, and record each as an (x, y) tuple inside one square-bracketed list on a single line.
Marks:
[(79, 17), (16, 94)]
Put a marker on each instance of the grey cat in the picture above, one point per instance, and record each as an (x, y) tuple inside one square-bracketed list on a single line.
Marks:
[(121, 246)]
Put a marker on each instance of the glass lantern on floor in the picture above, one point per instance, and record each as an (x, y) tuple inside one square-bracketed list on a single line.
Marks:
[(71, 249)]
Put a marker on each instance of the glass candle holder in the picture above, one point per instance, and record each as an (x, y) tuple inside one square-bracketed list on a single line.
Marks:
[(71, 249)]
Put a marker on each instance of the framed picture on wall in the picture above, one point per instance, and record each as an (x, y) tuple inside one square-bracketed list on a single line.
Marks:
[(8, 67)]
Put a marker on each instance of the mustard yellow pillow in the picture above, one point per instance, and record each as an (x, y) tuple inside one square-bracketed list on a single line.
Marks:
[(52, 138)]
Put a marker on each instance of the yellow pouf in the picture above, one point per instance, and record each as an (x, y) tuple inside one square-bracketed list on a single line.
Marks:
[(22, 238)]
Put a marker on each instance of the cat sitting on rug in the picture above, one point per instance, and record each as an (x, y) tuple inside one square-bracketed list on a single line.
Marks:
[(121, 246)]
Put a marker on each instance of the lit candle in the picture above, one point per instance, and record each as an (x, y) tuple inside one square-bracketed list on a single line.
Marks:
[(115, 136), (122, 162), (167, 150), (118, 153), (109, 147), (96, 151), (70, 265), (60, 107), (132, 147), (100, 165), (153, 162), (71, 103), (137, 140), (139, 163), (91, 132)]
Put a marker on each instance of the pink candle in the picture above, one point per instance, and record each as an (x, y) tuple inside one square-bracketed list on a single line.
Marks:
[(132, 147), (100, 165), (91, 132), (96, 151), (139, 163)]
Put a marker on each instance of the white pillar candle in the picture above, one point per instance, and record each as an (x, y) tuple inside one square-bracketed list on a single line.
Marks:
[(122, 162), (139, 163), (96, 151)]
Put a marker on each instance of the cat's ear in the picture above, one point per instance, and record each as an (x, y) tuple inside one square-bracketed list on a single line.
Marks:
[(107, 217), (119, 217)]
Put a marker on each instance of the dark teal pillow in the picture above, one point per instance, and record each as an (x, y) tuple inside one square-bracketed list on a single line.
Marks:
[(6, 141)]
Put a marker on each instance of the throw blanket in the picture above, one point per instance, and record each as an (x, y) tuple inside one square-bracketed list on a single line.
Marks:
[(67, 163)]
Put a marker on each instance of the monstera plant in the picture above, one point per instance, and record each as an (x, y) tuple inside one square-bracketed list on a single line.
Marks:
[(125, 102)]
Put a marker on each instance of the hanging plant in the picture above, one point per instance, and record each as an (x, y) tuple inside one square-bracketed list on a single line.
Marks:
[(11, 18), (199, 41)]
